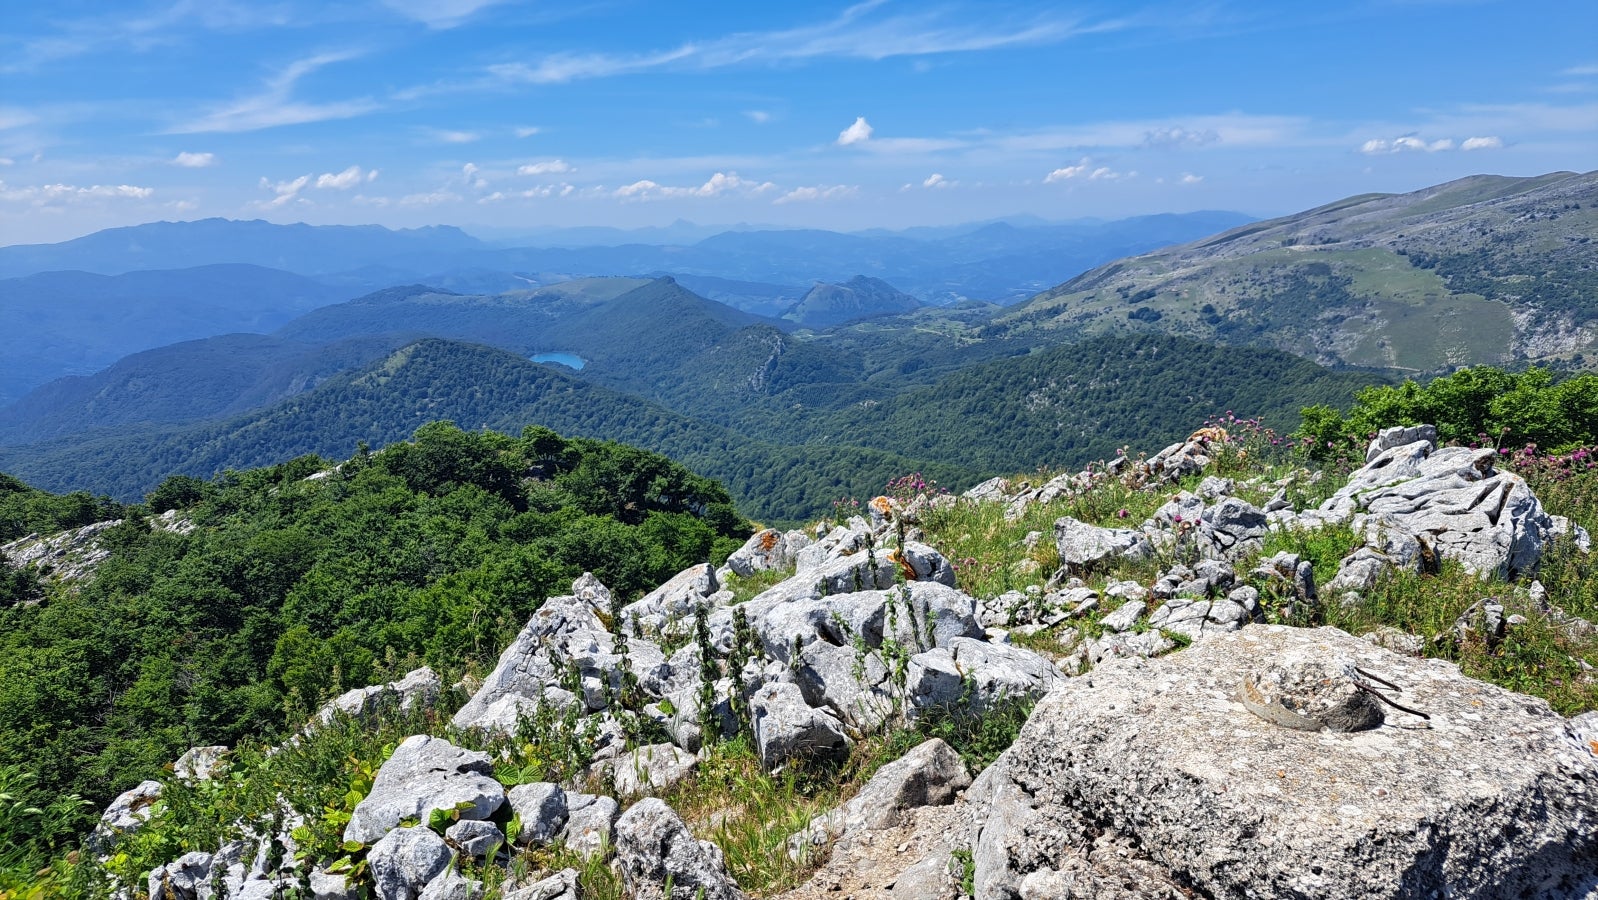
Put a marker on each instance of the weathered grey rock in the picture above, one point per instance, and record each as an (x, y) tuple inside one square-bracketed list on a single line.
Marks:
[(929, 775), (593, 592), (1494, 799), (1397, 641), (651, 768), (927, 879), (542, 808), (671, 607), (590, 822), (971, 675), (767, 550), (126, 815), (67, 556), (424, 774), (475, 838), (1083, 547), (1119, 645), (654, 846), (1455, 501), (1483, 620), (1125, 616), (787, 728), (1290, 580), (186, 878), (1229, 529), (418, 688), (452, 885), (404, 861), (536, 659), (1399, 436), (1198, 619), (200, 763), (560, 886), (328, 886)]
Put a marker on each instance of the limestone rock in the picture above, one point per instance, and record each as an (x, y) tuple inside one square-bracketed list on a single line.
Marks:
[(654, 846), (1455, 501), (474, 837), (542, 808), (786, 727), (767, 550), (672, 605), (651, 768), (199, 763), (424, 774), (1495, 798), (590, 822), (931, 774), (452, 885), (1083, 546), (186, 878), (418, 688), (404, 861), (535, 660), (972, 675), (126, 814), (560, 886)]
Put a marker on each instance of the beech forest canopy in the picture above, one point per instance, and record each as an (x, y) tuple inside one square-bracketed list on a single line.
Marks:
[(291, 588)]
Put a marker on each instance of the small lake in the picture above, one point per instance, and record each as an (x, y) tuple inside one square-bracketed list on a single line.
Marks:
[(569, 360)]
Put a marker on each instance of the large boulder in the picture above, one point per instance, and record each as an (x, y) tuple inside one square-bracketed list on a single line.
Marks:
[(969, 676), (1218, 767), (405, 861), (425, 774), (1083, 547), (932, 774), (671, 607), (1455, 501), (767, 550), (786, 727), (654, 848)]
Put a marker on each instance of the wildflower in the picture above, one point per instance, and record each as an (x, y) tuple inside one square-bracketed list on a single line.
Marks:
[(1122, 513)]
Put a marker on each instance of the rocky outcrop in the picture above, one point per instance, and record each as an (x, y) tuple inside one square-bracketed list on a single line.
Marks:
[(425, 774), (1213, 771), (1454, 501), (419, 687)]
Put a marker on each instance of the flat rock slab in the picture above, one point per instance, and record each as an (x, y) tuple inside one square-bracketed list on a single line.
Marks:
[(1493, 797)]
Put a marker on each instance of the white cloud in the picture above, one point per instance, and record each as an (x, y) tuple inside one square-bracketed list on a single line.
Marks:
[(7, 161), (1482, 143), (1068, 172), (758, 116), (1404, 144), (287, 191), (527, 131), (812, 194), (718, 184), (344, 180), (936, 180), (454, 137), (548, 167), (858, 133), (44, 194), (194, 160), (1190, 178), (273, 106), (1581, 71)]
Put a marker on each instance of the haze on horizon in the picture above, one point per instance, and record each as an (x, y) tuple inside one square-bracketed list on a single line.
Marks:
[(503, 114)]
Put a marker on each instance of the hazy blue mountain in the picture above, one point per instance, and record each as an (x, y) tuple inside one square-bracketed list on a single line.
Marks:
[(825, 305), (74, 323), (305, 249)]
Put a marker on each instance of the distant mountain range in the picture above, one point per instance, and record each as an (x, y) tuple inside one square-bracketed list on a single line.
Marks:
[(770, 396)]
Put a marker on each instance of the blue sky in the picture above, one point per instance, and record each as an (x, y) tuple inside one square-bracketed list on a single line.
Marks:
[(834, 115)]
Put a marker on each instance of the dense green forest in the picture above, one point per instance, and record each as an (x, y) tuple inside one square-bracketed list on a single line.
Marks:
[(291, 588)]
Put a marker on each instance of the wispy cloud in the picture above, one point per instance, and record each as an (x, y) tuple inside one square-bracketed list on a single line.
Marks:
[(817, 193), (863, 31), (717, 185), (194, 160), (547, 167), (1581, 71), (758, 116), (445, 136), (1413, 144), (343, 181), (1085, 170), (439, 13), (527, 131), (44, 195), (274, 106)]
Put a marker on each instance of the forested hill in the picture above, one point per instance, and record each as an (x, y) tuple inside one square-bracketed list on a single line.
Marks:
[(476, 387), (274, 590)]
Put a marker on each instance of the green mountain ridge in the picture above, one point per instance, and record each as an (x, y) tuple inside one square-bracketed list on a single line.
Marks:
[(1484, 270)]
